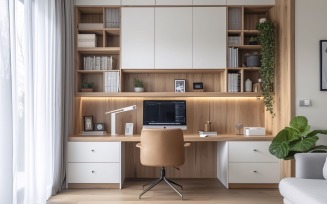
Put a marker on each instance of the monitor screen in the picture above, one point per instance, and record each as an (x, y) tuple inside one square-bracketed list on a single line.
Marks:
[(164, 114)]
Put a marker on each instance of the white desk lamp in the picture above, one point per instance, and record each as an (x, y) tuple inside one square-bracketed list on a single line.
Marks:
[(113, 116)]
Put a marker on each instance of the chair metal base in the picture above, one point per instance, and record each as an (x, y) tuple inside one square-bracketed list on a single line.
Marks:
[(162, 178)]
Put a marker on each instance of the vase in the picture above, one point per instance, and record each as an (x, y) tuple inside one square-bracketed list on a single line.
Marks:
[(138, 89)]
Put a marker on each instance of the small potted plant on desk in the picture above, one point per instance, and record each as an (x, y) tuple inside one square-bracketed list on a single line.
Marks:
[(87, 87), (138, 85)]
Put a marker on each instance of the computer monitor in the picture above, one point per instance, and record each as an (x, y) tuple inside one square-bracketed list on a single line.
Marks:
[(164, 114)]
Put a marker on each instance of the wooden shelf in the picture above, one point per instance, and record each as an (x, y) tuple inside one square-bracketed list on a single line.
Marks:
[(247, 47), (169, 94), (99, 50), (95, 71), (251, 32), (172, 71)]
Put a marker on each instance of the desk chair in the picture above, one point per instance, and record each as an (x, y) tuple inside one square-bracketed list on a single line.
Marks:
[(162, 148)]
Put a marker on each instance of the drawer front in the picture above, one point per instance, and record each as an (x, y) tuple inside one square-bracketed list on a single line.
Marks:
[(254, 173), (93, 152), (250, 152), (93, 173)]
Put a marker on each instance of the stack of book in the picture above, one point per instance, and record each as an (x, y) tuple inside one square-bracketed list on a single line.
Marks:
[(93, 133), (98, 63), (234, 40), (112, 18), (111, 81), (234, 18), (234, 84), (207, 133), (86, 40), (232, 57)]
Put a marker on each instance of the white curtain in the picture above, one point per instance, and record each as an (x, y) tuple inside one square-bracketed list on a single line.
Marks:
[(38, 101)]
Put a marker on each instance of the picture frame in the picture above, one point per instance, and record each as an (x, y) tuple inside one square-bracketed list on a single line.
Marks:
[(323, 65), (179, 85), (88, 123), (129, 128)]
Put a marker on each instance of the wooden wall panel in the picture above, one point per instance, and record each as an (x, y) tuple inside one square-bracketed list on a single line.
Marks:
[(284, 15), (223, 112)]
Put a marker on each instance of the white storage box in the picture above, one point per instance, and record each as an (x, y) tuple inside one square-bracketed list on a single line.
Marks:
[(86, 40), (254, 131)]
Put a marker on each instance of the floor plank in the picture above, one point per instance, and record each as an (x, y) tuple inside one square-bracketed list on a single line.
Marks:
[(204, 191)]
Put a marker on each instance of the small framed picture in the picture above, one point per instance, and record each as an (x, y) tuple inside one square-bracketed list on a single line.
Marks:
[(179, 85), (129, 129), (323, 65), (88, 123)]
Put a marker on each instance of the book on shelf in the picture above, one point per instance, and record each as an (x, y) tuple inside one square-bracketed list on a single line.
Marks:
[(111, 81), (232, 57), (234, 82), (93, 133), (112, 18), (86, 40), (98, 63), (208, 132)]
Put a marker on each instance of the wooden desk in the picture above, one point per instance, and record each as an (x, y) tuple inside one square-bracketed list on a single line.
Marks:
[(207, 157), (187, 138)]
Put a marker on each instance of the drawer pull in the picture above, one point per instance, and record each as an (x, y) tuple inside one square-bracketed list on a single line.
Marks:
[(255, 150), (92, 150), (92, 172), (255, 172)]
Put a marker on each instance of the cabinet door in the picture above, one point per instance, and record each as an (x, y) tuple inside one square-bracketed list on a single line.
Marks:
[(251, 2), (137, 38), (173, 38), (138, 2), (174, 2), (209, 2), (209, 37), (97, 3)]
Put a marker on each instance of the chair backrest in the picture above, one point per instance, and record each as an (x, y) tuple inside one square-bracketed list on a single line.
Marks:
[(162, 147)]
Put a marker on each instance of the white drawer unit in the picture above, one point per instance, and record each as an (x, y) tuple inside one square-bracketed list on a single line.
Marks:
[(93, 152), (93, 172), (254, 173), (250, 152), (95, 163), (246, 162)]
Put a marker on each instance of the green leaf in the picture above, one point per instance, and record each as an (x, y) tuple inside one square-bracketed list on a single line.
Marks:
[(305, 144), (290, 155), (300, 123), (320, 148), (287, 134), (279, 149), (315, 132)]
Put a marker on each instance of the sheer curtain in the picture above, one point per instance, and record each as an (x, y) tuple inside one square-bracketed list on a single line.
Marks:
[(38, 98)]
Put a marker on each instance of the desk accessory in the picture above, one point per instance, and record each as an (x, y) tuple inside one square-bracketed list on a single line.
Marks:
[(207, 126), (207, 133), (99, 126), (198, 86), (113, 117), (129, 129), (239, 126), (88, 123), (249, 131), (93, 133)]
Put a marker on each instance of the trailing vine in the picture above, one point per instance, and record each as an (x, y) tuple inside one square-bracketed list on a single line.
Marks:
[(267, 40)]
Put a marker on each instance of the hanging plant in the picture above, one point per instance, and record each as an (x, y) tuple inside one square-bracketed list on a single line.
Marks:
[(267, 40)]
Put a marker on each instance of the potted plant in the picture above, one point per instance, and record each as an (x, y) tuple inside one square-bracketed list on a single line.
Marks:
[(87, 87), (138, 85), (267, 41), (295, 139), (253, 40)]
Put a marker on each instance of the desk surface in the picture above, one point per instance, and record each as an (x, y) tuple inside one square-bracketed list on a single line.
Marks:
[(187, 138)]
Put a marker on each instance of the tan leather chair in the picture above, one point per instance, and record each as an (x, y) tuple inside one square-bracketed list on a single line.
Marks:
[(162, 148)]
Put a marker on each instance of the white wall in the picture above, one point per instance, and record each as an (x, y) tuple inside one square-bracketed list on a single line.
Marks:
[(310, 27)]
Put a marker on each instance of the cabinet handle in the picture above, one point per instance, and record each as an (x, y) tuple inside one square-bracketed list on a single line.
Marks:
[(92, 150), (255, 150), (92, 172), (255, 172)]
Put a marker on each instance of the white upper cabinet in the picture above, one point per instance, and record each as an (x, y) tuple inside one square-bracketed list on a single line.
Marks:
[(137, 38), (173, 38), (209, 2), (138, 2), (98, 2), (174, 2), (209, 37), (251, 2)]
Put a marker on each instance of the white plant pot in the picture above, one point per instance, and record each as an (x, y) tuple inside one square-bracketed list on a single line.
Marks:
[(138, 89)]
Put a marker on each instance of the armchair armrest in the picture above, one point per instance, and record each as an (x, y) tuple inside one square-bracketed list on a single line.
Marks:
[(309, 165), (138, 145)]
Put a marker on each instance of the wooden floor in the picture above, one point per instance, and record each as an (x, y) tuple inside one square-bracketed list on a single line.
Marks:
[(202, 191)]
